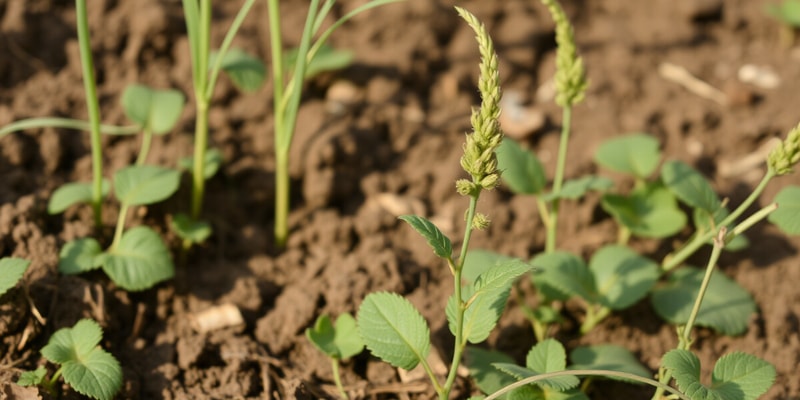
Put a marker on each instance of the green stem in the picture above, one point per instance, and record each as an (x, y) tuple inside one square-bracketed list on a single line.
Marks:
[(337, 379), (198, 167), (120, 228), (93, 108), (586, 372), (65, 123), (282, 188), (594, 314), (147, 138), (51, 384), (558, 181)]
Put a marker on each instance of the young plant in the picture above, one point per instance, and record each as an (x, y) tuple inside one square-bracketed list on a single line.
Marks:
[(390, 326), (287, 88), (11, 271), (90, 370), (338, 342)]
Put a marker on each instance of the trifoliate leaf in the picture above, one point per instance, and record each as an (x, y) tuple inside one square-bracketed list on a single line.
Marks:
[(649, 211), (89, 369), (340, 342), (549, 356), (440, 243), (393, 330), (561, 275), (246, 72), (212, 160), (32, 378), (575, 188), (608, 357), (145, 184), (73, 193), (327, 58), (690, 186), (79, 256), (622, 276), (139, 261), (188, 228), (787, 216), (520, 169), (726, 306), (736, 376), (478, 262), (11, 271), (154, 110), (635, 154)]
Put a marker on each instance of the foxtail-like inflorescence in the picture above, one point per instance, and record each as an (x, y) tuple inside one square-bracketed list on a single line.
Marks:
[(570, 74), (787, 154)]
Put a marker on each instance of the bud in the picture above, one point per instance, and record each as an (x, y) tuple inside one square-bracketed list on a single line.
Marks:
[(787, 154), (480, 222)]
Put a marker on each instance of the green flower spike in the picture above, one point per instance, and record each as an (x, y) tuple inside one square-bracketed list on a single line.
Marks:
[(570, 74), (479, 159), (787, 154)]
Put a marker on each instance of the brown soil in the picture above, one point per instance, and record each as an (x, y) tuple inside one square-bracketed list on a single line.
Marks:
[(398, 142)]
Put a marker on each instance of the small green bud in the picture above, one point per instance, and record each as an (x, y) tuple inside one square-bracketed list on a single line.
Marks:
[(465, 187), (490, 182), (570, 74), (480, 222), (787, 154)]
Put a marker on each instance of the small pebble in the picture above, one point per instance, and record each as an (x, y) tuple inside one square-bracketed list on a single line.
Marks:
[(760, 76), (517, 120), (341, 96)]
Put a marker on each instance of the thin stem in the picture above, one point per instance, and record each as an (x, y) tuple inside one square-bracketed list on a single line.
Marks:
[(93, 108), (120, 228), (337, 379), (198, 167), (586, 372), (282, 188), (147, 138), (752, 220), (66, 123), (201, 45), (226, 44), (558, 181)]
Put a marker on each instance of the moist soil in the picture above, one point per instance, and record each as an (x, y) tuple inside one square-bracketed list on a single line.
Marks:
[(380, 138)]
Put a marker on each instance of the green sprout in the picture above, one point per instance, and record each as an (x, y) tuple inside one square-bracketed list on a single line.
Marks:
[(85, 366), (339, 342)]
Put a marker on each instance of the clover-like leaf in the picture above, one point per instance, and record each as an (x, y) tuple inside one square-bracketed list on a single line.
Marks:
[(635, 154), (211, 163), (73, 193), (325, 59), (549, 356), (79, 256), (145, 184), (32, 378), (89, 369), (690, 186), (520, 169), (787, 216), (393, 330), (608, 357), (649, 211), (139, 261), (11, 271), (440, 243), (736, 376), (561, 275), (622, 277), (726, 306), (340, 341), (575, 188), (246, 72), (188, 228), (154, 110)]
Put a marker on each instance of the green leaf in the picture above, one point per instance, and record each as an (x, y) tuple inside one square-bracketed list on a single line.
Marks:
[(478, 262), (608, 357), (520, 169), (32, 378), (340, 342), (635, 154), (561, 275), (73, 193), (736, 376), (487, 378), (326, 59), (139, 261), (549, 356), (212, 162), (788, 12), (79, 256), (11, 271), (246, 72), (393, 330), (154, 110), (787, 216), (649, 211), (690, 186), (726, 306), (145, 184), (436, 239), (187, 228), (622, 276), (89, 369), (576, 188)]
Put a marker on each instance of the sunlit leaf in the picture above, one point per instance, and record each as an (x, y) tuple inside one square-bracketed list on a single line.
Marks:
[(561, 275), (145, 184), (549, 356), (11, 271), (393, 330), (190, 229), (340, 341), (649, 211), (690, 186), (154, 110), (246, 72), (622, 276), (736, 376), (139, 261), (635, 154), (520, 169), (787, 216), (79, 256), (73, 193), (436, 239)]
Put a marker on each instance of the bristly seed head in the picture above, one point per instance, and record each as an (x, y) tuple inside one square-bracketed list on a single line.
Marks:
[(570, 74), (787, 154), (479, 159)]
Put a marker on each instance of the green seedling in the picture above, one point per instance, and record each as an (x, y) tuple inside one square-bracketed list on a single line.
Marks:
[(85, 366), (392, 329), (11, 271), (339, 342), (310, 57)]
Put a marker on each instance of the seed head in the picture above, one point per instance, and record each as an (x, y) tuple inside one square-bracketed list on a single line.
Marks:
[(787, 154), (570, 74)]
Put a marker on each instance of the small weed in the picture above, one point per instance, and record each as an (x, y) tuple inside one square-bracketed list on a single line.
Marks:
[(11, 271)]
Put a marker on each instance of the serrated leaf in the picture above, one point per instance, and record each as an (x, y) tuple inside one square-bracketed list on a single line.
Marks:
[(139, 261), (145, 184), (622, 276), (326, 59), (478, 262), (520, 169), (11, 271), (549, 356), (211, 164), (89, 369), (393, 330), (73, 193), (501, 276), (79, 256), (649, 211), (561, 275), (440, 243), (188, 228), (154, 110), (690, 186), (635, 154), (246, 72), (487, 378), (32, 378), (575, 188), (736, 376), (608, 357), (340, 342), (787, 216), (726, 306)]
